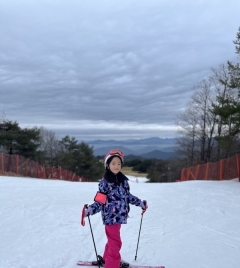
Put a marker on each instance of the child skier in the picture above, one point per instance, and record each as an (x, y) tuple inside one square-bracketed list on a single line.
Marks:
[(115, 208)]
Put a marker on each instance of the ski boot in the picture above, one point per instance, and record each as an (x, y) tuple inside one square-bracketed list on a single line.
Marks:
[(124, 264), (100, 261)]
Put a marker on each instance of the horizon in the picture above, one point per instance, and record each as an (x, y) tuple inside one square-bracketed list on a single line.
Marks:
[(154, 137)]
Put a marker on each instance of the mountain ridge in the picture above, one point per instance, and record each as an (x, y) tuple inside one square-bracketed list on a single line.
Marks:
[(153, 147)]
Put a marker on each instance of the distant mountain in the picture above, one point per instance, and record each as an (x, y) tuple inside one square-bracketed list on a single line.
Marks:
[(132, 157), (152, 155), (143, 148), (130, 142), (104, 150), (159, 155), (170, 149)]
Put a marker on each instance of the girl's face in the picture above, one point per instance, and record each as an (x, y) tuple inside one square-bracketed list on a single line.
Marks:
[(115, 165)]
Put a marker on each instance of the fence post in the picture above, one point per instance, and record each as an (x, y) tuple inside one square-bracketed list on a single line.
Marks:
[(2, 163), (45, 174), (238, 166), (17, 160), (52, 173), (207, 170), (182, 175), (36, 170), (197, 172), (60, 173), (188, 173), (221, 170), (26, 169)]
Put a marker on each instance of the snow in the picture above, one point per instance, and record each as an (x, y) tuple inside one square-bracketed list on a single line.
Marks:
[(193, 224)]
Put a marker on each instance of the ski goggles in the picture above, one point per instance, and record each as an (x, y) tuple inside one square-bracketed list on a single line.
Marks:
[(116, 151)]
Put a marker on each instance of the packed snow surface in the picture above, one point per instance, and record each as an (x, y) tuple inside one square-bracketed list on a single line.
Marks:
[(193, 224)]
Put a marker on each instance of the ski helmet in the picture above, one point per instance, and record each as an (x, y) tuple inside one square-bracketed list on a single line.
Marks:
[(111, 153)]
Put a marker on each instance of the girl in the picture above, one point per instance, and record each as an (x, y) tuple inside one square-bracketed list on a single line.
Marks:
[(114, 185)]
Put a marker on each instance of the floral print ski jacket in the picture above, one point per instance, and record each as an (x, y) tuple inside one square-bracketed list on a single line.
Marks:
[(116, 208)]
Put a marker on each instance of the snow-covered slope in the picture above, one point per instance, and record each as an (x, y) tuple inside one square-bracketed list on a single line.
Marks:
[(192, 224)]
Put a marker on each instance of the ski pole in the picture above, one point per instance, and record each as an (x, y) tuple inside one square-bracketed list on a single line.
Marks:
[(92, 235), (145, 204)]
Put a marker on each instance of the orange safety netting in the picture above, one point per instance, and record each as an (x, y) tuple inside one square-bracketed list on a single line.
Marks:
[(19, 165), (225, 169)]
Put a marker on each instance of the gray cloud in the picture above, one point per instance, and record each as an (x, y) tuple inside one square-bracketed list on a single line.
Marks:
[(104, 69)]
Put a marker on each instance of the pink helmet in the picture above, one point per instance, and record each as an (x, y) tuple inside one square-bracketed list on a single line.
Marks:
[(111, 153)]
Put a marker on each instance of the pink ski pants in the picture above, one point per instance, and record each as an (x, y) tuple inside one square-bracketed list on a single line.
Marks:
[(111, 254)]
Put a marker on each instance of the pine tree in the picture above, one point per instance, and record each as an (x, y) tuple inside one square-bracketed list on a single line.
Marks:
[(15, 140), (228, 110), (79, 158), (234, 69)]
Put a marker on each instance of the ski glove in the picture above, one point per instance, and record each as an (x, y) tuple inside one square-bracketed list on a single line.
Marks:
[(88, 211), (144, 205)]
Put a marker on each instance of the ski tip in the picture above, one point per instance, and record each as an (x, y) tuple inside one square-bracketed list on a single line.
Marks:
[(84, 263)]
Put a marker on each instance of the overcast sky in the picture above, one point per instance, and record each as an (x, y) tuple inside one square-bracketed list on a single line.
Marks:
[(109, 69)]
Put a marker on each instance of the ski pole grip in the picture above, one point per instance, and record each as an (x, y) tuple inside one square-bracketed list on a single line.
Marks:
[(145, 204), (83, 215)]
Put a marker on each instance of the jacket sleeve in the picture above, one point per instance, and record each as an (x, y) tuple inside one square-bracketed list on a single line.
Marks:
[(133, 200), (96, 206)]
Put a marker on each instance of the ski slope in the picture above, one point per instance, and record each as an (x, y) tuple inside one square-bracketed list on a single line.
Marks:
[(192, 224)]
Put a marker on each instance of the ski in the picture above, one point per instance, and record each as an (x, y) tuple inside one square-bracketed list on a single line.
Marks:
[(89, 263)]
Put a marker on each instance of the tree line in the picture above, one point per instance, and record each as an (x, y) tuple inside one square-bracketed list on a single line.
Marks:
[(157, 170), (43, 146), (209, 127)]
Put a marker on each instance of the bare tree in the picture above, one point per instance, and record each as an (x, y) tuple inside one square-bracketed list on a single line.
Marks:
[(197, 124), (49, 143), (187, 134), (202, 98)]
